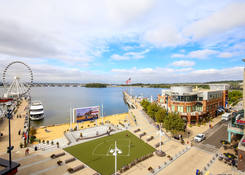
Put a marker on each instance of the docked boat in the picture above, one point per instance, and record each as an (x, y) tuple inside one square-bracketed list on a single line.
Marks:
[(36, 111)]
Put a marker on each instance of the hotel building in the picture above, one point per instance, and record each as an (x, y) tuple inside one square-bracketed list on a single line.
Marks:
[(193, 104)]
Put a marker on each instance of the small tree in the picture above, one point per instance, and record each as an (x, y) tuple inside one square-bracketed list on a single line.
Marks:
[(152, 109), (144, 103), (33, 131), (173, 123), (160, 115)]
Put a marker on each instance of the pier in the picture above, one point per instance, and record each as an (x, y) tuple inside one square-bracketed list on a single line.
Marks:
[(130, 100)]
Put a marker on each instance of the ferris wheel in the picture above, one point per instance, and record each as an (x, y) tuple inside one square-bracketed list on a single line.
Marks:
[(17, 79)]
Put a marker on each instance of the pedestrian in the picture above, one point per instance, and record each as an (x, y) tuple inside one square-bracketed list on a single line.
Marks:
[(19, 132), (27, 151)]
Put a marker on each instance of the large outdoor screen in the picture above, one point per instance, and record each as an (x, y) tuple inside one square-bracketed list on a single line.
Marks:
[(87, 113)]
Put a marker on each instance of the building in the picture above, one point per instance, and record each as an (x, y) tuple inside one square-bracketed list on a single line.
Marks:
[(241, 145), (193, 104), (236, 127)]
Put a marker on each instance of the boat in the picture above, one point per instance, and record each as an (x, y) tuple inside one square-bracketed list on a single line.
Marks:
[(36, 111)]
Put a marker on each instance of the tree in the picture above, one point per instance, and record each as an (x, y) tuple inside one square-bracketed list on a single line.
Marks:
[(152, 109), (144, 103), (160, 115), (173, 123), (234, 97)]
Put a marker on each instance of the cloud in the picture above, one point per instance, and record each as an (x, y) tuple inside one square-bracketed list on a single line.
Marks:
[(225, 55), (16, 40), (168, 75), (183, 63), (164, 36), (119, 57), (200, 54), (229, 17), (130, 55), (125, 11), (178, 55)]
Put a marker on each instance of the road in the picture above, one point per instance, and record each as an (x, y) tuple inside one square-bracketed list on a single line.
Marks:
[(213, 137)]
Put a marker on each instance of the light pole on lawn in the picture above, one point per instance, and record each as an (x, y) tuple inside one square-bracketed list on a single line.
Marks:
[(114, 153), (160, 151)]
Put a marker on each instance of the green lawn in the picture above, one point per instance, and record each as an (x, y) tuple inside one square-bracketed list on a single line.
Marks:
[(96, 153)]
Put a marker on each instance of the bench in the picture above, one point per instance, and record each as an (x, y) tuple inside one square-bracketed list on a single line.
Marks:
[(137, 130), (53, 156), (70, 160), (77, 168), (150, 138)]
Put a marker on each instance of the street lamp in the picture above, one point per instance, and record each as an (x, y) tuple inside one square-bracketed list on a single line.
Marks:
[(114, 152), (161, 133), (9, 148)]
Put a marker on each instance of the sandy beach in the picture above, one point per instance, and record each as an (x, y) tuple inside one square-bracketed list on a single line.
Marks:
[(57, 131), (16, 125)]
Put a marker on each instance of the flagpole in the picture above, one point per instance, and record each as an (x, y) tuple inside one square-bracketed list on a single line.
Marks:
[(70, 117), (102, 107)]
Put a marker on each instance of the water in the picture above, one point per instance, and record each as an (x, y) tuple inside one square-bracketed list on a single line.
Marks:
[(57, 100)]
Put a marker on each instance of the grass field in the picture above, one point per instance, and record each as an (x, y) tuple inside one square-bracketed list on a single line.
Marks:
[(96, 153)]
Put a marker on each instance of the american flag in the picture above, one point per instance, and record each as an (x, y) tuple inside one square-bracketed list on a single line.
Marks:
[(128, 81)]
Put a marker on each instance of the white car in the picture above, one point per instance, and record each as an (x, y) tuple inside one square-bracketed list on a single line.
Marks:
[(226, 116), (199, 137)]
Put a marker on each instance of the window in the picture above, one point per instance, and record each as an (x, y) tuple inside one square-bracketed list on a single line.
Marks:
[(188, 108), (180, 109), (199, 108), (173, 108)]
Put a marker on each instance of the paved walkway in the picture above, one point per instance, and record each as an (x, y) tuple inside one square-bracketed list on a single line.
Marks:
[(40, 163), (16, 125)]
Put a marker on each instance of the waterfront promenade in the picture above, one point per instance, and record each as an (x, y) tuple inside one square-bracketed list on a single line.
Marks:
[(184, 158), (17, 124)]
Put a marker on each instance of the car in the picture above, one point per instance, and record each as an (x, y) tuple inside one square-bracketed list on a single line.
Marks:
[(176, 137), (226, 116), (243, 142), (199, 137)]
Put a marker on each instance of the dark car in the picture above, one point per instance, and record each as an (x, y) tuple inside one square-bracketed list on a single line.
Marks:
[(176, 137)]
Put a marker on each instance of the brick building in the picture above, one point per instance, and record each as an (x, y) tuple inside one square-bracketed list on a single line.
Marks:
[(194, 104)]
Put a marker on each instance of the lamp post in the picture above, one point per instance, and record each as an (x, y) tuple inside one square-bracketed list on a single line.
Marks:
[(160, 152), (114, 153), (9, 148)]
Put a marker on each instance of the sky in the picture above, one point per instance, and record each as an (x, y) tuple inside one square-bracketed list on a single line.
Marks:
[(108, 41)]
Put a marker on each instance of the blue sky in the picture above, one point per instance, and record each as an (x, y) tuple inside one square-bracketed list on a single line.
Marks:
[(151, 41)]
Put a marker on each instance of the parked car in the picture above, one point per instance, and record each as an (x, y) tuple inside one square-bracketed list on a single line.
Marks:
[(226, 116), (243, 142), (199, 137), (176, 137)]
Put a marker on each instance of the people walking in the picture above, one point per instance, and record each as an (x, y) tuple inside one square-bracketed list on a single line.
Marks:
[(27, 151)]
